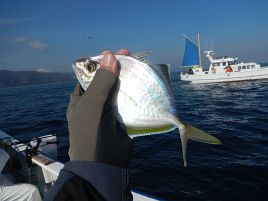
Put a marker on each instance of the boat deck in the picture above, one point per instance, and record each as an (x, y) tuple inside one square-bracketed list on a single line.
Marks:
[(51, 168)]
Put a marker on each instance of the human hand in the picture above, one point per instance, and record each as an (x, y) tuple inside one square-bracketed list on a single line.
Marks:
[(95, 134), (109, 61)]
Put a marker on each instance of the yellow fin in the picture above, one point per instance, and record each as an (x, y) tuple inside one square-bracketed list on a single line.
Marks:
[(136, 132), (196, 134)]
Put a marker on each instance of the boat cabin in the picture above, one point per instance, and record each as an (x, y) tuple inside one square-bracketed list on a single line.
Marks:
[(225, 64)]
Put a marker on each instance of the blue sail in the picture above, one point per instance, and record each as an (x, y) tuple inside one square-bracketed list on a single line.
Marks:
[(190, 57)]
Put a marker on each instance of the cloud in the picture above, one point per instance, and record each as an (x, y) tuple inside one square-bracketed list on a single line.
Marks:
[(21, 39), (33, 44), (7, 21), (42, 70), (38, 45)]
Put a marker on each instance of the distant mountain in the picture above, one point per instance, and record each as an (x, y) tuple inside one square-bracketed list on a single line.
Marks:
[(23, 78)]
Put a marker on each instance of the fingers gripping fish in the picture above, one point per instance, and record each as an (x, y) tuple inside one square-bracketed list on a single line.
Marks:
[(145, 102)]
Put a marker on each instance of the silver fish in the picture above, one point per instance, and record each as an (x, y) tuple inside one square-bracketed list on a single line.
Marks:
[(145, 102)]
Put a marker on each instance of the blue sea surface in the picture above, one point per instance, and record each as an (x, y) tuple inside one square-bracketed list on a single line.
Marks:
[(236, 113)]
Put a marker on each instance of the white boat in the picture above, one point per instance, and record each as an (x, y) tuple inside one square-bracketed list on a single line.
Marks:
[(41, 170), (221, 69)]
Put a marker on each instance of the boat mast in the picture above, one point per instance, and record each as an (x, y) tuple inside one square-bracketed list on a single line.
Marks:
[(199, 51)]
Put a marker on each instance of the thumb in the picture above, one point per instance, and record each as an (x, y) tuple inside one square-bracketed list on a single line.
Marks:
[(109, 63)]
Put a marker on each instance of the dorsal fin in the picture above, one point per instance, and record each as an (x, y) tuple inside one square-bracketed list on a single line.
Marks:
[(141, 55), (163, 71)]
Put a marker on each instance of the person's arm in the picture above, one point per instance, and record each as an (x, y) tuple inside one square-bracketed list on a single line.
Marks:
[(94, 132), (100, 149), (4, 156)]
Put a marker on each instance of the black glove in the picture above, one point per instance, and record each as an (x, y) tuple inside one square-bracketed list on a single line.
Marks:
[(95, 134)]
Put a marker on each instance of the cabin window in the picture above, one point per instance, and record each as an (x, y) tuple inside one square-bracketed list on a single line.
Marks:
[(239, 67), (218, 64), (244, 67), (214, 65), (252, 66), (248, 66), (231, 63), (224, 63)]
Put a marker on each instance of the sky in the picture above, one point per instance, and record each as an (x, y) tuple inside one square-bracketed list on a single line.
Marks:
[(51, 35)]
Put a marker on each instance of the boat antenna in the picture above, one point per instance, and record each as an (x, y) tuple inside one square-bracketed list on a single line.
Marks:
[(211, 44), (199, 50)]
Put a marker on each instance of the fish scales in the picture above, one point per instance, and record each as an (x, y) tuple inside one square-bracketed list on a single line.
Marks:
[(140, 84)]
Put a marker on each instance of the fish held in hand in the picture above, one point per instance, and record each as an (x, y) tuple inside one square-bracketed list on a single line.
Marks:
[(145, 102)]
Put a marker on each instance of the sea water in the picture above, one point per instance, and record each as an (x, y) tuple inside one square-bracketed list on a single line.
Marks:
[(236, 113)]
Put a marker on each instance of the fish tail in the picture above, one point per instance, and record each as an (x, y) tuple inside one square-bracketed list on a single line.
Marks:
[(188, 131)]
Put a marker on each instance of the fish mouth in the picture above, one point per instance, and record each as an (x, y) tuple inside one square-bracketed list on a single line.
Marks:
[(79, 72)]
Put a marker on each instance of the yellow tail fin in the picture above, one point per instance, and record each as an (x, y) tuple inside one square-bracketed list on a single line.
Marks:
[(193, 133)]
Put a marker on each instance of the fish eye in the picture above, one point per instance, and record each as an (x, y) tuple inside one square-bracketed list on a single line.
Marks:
[(91, 66)]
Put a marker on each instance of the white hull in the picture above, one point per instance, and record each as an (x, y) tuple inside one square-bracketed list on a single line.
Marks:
[(257, 74), (46, 170)]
